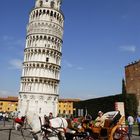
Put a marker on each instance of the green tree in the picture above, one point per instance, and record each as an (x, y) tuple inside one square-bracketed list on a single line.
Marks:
[(130, 101), (124, 97), (123, 88)]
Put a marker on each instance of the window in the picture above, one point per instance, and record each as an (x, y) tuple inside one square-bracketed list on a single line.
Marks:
[(51, 13), (47, 59), (52, 4), (41, 3)]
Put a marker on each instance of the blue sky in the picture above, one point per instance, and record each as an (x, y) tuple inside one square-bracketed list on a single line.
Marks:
[(100, 38)]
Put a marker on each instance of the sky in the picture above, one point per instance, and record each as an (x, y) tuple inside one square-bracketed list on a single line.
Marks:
[(100, 38)]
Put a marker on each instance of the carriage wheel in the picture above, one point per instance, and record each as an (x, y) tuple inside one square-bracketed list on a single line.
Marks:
[(121, 135)]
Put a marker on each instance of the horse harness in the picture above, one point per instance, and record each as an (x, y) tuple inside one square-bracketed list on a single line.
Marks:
[(51, 131), (61, 126)]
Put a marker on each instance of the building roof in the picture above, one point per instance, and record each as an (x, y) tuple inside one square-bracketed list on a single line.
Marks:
[(69, 100), (10, 98), (133, 63), (15, 99)]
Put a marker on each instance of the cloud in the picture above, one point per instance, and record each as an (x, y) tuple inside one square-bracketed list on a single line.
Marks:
[(4, 93), (19, 42), (130, 48), (7, 38), (15, 64), (67, 64), (11, 42)]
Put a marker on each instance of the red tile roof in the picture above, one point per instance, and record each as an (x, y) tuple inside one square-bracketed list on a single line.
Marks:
[(10, 98)]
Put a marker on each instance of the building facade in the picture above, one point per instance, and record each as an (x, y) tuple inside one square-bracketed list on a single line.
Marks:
[(8, 104), (39, 89), (132, 79), (66, 108)]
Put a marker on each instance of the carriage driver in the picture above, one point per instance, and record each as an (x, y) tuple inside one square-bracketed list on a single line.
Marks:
[(100, 120)]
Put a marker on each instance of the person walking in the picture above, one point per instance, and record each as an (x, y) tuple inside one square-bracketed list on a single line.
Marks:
[(130, 120), (138, 122)]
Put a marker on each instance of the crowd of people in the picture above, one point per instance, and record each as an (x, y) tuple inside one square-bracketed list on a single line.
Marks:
[(4, 116), (131, 122)]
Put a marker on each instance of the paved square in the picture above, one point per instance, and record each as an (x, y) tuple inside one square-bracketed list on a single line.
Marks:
[(16, 135)]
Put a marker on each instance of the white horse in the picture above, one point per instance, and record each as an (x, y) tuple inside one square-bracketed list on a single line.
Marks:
[(52, 129)]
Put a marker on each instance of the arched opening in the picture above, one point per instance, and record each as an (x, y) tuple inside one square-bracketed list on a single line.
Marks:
[(44, 12), (51, 13), (48, 12), (55, 14)]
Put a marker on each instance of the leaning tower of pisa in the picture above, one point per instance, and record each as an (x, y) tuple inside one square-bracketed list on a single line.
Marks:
[(42, 56)]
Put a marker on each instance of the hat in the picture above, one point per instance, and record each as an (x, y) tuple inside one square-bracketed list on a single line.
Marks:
[(100, 112)]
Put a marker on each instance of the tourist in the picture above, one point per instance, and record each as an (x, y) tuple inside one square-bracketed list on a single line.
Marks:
[(50, 115), (4, 116), (100, 120), (138, 122), (130, 120), (1, 116), (3, 119)]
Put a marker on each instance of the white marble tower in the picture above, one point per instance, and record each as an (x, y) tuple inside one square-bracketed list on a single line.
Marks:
[(42, 56)]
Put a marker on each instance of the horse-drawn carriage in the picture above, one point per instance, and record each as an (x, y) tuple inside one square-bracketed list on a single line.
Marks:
[(58, 129), (114, 128)]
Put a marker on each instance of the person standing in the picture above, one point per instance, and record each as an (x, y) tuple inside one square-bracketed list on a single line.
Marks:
[(138, 122), (4, 116), (130, 120)]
